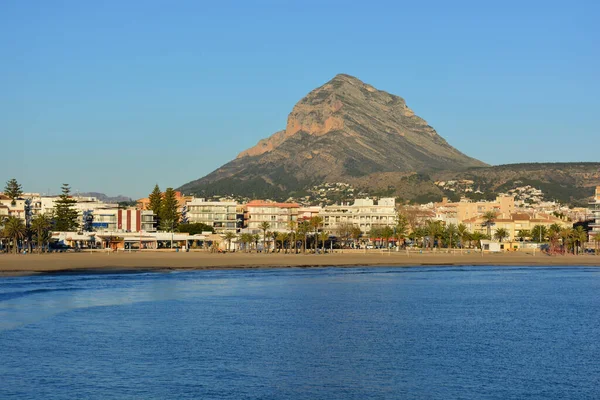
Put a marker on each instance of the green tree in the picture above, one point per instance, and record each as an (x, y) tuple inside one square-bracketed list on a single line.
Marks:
[(501, 234), (386, 234), (13, 190), (323, 235), (15, 230), (451, 231), (435, 230), (41, 225), (556, 228), (539, 233), (303, 230), (65, 215), (375, 234), (402, 228), (488, 221), (169, 209), (315, 223), (264, 226), (195, 228), (155, 203), (524, 234), (463, 234), (477, 237), (580, 236), (229, 236), (356, 234)]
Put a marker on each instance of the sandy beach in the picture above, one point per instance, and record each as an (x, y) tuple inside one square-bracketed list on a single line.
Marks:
[(163, 261)]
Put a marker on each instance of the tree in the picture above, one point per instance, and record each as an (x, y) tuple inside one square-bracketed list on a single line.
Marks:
[(402, 227), (255, 239), (315, 223), (435, 230), (555, 228), (264, 226), (292, 225), (524, 234), (539, 233), (229, 236), (374, 234), (464, 234), (65, 214), (488, 221), (15, 229), (501, 234), (477, 237), (323, 235), (169, 208), (344, 231), (356, 233), (451, 232), (303, 229), (194, 228), (580, 236), (155, 203), (41, 225), (13, 190), (597, 243), (386, 234), (283, 237)]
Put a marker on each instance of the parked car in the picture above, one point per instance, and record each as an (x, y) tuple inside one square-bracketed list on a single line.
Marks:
[(59, 248)]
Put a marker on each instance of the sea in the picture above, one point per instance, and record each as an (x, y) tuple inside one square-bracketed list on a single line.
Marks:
[(303, 333)]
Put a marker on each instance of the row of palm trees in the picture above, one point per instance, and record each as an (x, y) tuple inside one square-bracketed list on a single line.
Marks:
[(14, 234)]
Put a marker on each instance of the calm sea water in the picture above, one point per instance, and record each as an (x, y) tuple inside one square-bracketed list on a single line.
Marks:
[(356, 333)]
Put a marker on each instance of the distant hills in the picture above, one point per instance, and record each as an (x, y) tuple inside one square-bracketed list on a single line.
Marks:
[(105, 198), (348, 131)]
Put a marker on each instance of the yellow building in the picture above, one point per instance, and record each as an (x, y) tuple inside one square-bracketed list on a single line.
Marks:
[(458, 212), (514, 223)]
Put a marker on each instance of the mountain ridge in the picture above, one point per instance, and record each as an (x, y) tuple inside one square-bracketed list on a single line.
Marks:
[(343, 129)]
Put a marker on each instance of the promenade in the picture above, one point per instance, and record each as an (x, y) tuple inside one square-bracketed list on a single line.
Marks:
[(97, 262)]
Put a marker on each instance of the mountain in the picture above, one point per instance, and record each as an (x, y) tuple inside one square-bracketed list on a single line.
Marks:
[(105, 198), (343, 131)]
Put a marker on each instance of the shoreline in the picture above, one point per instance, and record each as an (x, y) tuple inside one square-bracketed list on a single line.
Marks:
[(98, 263)]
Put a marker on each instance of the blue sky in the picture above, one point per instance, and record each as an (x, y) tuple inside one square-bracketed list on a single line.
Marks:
[(115, 96)]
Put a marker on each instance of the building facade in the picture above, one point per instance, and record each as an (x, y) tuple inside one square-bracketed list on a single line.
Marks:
[(122, 220), (595, 211), (364, 213), (278, 215), (222, 216)]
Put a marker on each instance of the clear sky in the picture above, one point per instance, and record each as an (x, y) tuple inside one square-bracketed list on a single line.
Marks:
[(115, 96)]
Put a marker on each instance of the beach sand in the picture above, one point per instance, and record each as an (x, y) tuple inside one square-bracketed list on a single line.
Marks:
[(98, 262)]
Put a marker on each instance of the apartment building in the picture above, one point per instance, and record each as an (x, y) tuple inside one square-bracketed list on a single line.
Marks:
[(514, 223), (222, 216), (595, 211), (278, 215), (364, 213), (457, 212), (122, 220)]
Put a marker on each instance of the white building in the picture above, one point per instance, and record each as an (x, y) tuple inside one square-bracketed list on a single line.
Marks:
[(364, 213), (222, 216), (595, 210), (278, 215), (119, 220)]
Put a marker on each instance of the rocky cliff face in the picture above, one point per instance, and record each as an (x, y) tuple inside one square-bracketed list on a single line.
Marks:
[(340, 131)]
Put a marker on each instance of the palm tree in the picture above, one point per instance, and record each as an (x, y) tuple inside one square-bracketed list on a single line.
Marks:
[(464, 234), (451, 231), (284, 237), (264, 226), (323, 235), (292, 225), (15, 229), (315, 223), (255, 239), (488, 221), (524, 234), (566, 235), (41, 225), (477, 237), (597, 242), (580, 235), (303, 229), (501, 234), (267, 244), (374, 234), (435, 231), (539, 233), (555, 228), (229, 236)]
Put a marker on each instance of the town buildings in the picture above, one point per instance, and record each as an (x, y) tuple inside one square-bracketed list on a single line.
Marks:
[(514, 223), (456, 212)]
